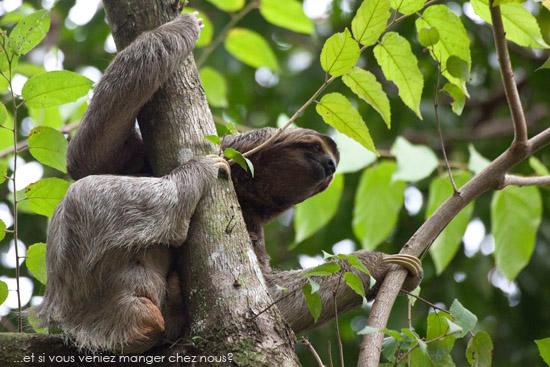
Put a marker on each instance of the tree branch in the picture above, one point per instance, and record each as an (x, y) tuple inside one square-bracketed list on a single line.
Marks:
[(525, 181), (510, 89)]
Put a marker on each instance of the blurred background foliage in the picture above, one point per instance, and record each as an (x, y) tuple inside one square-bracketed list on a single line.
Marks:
[(514, 313)]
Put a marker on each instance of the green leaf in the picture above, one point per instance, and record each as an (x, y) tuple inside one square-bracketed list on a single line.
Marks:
[(428, 36), (407, 6), (323, 270), (314, 213), (440, 349), (520, 25), (453, 39), (50, 117), (458, 96), (448, 242), (400, 65), (2, 230), (337, 111), (378, 200), (356, 263), (414, 162), (537, 166), (313, 301), (55, 88), (355, 283), (36, 261), (29, 32), (215, 139), (3, 172), (215, 87), (544, 349), (515, 217), (353, 156), (44, 195), (207, 33), (288, 14), (3, 291), (364, 84), (370, 21), (49, 147), (3, 113), (477, 162), (251, 48), (35, 323), (339, 54), (240, 159), (227, 5), (368, 330), (479, 352), (463, 317), (458, 67), (546, 65)]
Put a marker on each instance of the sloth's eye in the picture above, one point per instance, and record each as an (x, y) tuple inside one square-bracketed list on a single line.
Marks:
[(317, 147)]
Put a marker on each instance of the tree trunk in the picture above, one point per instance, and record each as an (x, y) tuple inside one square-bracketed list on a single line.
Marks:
[(223, 284)]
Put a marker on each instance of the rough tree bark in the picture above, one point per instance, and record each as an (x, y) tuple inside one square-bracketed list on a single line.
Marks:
[(223, 284)]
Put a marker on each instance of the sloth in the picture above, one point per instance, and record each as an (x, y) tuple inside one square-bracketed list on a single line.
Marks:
[(109, 257)]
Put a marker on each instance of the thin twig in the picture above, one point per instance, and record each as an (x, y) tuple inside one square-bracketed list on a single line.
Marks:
[(221, 36), (338, 336), (526, 181), (510, 88), (424, 300), (309, 346), (438, 124)]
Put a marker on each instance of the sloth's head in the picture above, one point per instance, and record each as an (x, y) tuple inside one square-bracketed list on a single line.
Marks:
[(298, 164)]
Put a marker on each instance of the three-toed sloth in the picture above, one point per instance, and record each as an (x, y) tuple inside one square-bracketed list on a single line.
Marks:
[(108, 257)]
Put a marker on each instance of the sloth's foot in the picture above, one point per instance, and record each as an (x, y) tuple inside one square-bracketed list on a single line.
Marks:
[(224, 169), (413, 266)]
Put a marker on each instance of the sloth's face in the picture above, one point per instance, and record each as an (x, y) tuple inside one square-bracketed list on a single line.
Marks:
[(296, 169)]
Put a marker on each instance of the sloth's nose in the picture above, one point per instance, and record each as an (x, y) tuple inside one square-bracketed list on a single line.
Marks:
[(329, 165)]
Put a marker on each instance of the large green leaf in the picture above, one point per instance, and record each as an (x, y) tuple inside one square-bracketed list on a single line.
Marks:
[(364, 84), (378, 201), (448, 242), (339, 54), (463, 317), (353, 156), (50, 117), (479, 352), (442, 341), (407, 6), (55, 88), (43, 196), (400, 65), (287, 14), (36, 261), (515, 217), (215, 87), (29, 32), (227, 5), (251, 48), (313, 301), (543, 346), (316, 212), (520, 25), (49, 147), (3, 291), (355, 283), (338, 112), (453, 40), (414, 162), (370, 21), (323, 270)]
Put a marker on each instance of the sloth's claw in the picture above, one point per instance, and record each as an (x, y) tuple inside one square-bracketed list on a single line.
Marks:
[(409, 262), (221, 164)]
